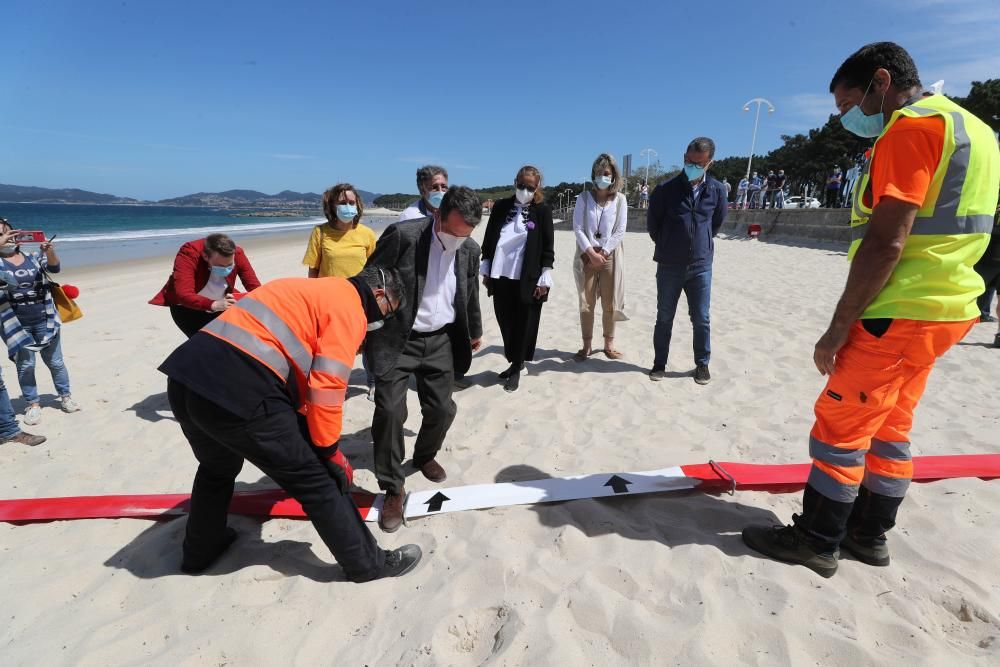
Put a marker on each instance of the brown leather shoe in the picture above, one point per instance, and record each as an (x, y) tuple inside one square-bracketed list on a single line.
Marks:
[(23, 438), (391, 516), (433, 471)]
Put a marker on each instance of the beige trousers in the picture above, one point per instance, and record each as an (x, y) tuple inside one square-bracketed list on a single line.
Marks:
[(599, 282)]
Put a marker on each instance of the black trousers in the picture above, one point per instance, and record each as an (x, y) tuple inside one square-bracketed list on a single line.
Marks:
[(826, 521), (272, 440), (832, 198), (989, 269), (518, 321), (190, 321), (429, 359)]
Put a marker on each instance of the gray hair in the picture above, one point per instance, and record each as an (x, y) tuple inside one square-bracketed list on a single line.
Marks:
[(427, 173), (702, 145), (380, 277), (465, 201)]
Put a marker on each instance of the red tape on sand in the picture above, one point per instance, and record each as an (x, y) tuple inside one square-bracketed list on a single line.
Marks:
[(275, 503)]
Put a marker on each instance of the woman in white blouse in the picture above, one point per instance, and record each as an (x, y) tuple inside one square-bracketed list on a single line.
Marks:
[(517, 264), (599, 221)]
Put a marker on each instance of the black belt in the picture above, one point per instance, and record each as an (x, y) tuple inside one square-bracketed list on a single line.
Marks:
[(414, 334)]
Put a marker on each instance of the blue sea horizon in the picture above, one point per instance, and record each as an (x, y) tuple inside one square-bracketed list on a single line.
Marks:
[(88, 234)]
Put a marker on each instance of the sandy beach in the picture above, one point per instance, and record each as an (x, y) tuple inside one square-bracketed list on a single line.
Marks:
[(657, 579)]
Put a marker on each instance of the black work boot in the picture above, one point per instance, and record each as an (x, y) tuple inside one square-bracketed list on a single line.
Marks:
[(790, 545), (872, 516)]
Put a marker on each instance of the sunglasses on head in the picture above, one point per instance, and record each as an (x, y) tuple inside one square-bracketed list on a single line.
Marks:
[(522, 186)]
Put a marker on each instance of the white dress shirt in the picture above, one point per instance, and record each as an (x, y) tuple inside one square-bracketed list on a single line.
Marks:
[(508, 258), (437, 307), (591, 220), (215, 288)]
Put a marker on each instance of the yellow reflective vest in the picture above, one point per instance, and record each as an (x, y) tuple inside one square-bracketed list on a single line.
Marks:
[(935, 280)]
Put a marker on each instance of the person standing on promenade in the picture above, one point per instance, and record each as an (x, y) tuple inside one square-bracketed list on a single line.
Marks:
[(340, 247), (201, 285), (432, 183), (921, 219), (599, 221), (265, 382), (685, 214), (833, 182), (518, 255), (755, 192), (432, 339), (779, 193), (741, 192)]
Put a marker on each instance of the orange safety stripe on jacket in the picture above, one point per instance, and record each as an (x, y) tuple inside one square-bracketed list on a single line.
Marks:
[(304, 329)]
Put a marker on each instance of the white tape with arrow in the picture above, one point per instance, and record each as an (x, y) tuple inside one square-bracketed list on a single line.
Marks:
[(552, 489)]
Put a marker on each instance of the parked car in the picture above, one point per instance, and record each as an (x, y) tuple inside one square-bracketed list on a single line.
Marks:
[(798, 202)]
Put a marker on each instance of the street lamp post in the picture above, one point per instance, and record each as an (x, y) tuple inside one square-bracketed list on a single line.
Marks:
[(753, 143), (648, 152)]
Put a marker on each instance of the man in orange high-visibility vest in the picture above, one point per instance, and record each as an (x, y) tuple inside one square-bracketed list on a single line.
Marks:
[(921, 219), (266, 382)]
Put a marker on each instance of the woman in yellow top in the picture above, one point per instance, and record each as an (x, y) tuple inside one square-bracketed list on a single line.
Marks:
[(341, 246)]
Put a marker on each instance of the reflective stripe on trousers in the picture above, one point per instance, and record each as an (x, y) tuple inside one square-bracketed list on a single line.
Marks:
[(865, 413)]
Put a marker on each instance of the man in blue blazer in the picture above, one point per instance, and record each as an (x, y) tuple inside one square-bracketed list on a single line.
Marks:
[(685, 214)]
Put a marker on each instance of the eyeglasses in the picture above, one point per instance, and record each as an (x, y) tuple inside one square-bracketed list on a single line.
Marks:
[(390, 311), (522, 186)]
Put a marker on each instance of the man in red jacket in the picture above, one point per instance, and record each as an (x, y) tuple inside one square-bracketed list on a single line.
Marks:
[(202, 282)]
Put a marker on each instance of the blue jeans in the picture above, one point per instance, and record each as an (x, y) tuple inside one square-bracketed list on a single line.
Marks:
[(53, 358), (8, 424), (696, 284)]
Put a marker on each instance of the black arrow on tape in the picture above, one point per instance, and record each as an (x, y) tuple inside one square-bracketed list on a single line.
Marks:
[(438, 499), (619, 484)]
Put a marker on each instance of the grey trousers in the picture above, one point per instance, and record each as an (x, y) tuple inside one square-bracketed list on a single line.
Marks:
[(430, 361)]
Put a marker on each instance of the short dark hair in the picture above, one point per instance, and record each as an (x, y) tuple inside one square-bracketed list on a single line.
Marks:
[(858, 69), (427, 173), (221, 244), (377, 277), (702, 145), (465, 201)]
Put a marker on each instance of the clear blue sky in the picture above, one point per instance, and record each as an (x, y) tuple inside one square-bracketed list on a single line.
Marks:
[(160, 99)]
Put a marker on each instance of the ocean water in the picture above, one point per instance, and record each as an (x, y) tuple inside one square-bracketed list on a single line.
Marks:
[(89, 234)]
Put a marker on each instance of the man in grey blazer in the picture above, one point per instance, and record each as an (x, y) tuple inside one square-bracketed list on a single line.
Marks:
[(431, 338)]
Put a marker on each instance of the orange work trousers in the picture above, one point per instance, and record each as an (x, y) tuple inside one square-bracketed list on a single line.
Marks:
[(864, 415)]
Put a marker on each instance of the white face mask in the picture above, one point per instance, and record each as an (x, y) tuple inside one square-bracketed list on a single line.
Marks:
[(603, 182), (451, 242), (523, 196)]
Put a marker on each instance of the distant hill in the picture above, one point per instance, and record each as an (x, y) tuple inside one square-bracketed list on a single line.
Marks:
[(227, 199), (33, 195)]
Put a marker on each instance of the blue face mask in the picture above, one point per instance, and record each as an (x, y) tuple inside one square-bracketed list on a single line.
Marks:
[(346, 212), (222, 271), (858, 122), (693, 171), (434, 199), (603, 182)]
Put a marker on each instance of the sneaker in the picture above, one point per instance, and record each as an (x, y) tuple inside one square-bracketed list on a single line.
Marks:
[(33, 415), (870, 552), (68, 404), (23, 438), (503, 375), (789, 545), (199, 565), (996, 340), (701, 374), (400, 561), (658, 373), (391, 516), (987, 318), (513, 382)]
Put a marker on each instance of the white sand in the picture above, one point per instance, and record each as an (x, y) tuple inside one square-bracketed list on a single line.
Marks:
[(656, 579)]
